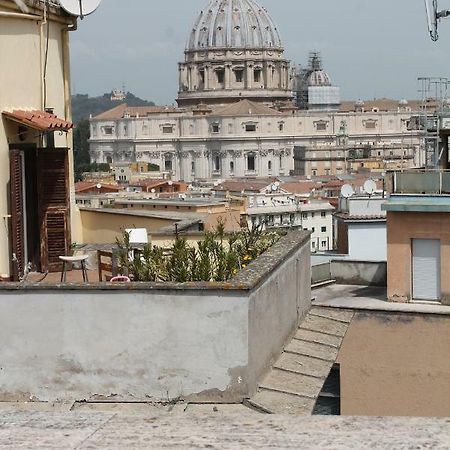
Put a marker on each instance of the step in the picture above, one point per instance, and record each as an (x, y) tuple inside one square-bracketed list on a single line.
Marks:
[(340, 315), (293, 383), (304, 364), (324, 352), (319, 338), (281, 403), (323, 325)]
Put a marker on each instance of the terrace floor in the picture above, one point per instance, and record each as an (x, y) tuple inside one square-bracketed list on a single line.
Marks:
[(216, 431), (73, 276), (369, 298)]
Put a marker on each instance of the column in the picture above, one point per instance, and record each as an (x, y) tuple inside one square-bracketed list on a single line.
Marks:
[(207, 72)]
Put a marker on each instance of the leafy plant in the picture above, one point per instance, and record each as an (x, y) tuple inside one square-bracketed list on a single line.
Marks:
[(216, 257)]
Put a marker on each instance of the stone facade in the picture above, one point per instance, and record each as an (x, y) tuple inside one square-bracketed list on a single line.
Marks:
[(236, 119)]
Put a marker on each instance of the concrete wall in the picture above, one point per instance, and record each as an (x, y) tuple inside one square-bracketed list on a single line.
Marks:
[(22, 49), (360, 273), (152, 341), (292, 281), (396, 365), (403, 227), (367, 241)]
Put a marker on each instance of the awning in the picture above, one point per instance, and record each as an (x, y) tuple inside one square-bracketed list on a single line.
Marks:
[(38, 120)]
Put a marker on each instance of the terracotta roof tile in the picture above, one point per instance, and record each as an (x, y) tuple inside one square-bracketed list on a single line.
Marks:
[(38, 120)]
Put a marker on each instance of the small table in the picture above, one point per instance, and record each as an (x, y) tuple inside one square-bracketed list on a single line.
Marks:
[(74, 259)]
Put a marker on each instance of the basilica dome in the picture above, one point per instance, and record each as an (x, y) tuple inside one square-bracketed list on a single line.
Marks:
[(234, 24)]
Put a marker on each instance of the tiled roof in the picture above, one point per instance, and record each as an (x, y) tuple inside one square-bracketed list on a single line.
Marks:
[(122, 110), (83, 186), (385, 104), (349, 218), (246, 108), (38, 120), (244, 186)]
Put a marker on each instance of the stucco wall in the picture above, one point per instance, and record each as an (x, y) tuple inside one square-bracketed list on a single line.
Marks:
[(153, 341), (104, 227), (402, 228), (22, 49), (396, 365)]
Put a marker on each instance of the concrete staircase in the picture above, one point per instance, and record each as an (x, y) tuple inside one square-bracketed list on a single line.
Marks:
[(296, 379)]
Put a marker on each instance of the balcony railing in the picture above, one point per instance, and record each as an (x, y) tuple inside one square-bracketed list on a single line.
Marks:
[(429, 182)]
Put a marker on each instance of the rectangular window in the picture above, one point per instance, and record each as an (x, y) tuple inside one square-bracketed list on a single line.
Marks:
[(108, 130), (215, 128), (168, 165), (323, 214), (250, 128), (167, 129), (239, 75), (251, 163), (220, 73), (304, 215), (324, 244), (324, 229), (257, 75), (321, 126)]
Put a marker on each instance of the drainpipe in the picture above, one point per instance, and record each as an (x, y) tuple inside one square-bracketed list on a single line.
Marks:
[(16, 15)]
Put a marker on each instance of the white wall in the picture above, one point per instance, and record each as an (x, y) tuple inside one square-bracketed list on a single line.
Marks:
[(367, 241), (143, 343)]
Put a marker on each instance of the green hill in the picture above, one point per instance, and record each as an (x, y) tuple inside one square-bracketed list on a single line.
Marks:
[(83, 105)]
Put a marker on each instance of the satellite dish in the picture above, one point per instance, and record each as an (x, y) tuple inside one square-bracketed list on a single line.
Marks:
[(347, 191), (370, 187), (433, 17), (80, 7)]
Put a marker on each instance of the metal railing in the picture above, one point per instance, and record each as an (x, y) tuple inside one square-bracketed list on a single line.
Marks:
[(429, 182)]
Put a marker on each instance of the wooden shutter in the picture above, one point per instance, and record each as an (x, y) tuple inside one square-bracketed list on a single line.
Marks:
[(54, 209), (17, 228)]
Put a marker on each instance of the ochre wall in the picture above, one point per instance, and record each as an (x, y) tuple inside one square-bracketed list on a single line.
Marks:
[(396, 365), (103, 228), (402, 227)]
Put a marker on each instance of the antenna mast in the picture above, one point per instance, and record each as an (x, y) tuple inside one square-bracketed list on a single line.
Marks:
[(434, 16)]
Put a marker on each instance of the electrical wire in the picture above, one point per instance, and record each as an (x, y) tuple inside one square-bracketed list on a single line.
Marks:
[(46, 12)]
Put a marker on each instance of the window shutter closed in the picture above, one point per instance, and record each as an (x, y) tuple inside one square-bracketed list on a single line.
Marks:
[(53, 181), (16, 210)]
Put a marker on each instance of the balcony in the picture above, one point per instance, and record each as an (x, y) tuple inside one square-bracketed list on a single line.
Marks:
[(429, 182)]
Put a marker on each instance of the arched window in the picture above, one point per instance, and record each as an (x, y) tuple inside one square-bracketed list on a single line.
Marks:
[(109, 160), (269, 166), (232, 167), (251, 162)]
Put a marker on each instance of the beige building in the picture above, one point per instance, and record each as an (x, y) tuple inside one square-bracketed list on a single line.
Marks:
[(36, 188), (418, 237)]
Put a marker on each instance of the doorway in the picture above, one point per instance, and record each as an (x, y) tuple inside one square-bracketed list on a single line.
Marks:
[(426, 269), (39, 209)]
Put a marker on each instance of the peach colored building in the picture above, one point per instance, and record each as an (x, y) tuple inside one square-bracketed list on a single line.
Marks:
[(418, 238)]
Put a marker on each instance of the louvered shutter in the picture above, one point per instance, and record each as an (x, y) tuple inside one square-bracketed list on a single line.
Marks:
[(17, 227), (53, 182)]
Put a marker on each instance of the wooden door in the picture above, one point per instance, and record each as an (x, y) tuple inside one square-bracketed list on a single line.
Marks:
[(54, 206), (16, 210)]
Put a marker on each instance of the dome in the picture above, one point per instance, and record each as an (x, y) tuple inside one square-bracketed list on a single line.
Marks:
[(319, 78), (234, 24)]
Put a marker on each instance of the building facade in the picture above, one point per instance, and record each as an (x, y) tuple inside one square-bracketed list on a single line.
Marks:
[(235, 117), (36, 188)]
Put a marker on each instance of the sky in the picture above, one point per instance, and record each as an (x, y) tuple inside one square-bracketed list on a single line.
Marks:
[(370, 48)]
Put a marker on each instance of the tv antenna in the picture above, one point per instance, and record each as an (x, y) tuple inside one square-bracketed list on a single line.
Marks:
[(347, 191), (370, 187), (434, 16), (80, 8)]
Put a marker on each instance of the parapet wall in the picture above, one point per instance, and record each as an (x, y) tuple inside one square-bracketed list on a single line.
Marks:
[(153, 341)]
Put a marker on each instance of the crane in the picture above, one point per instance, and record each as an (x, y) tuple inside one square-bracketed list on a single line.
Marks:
[(434, 16)]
